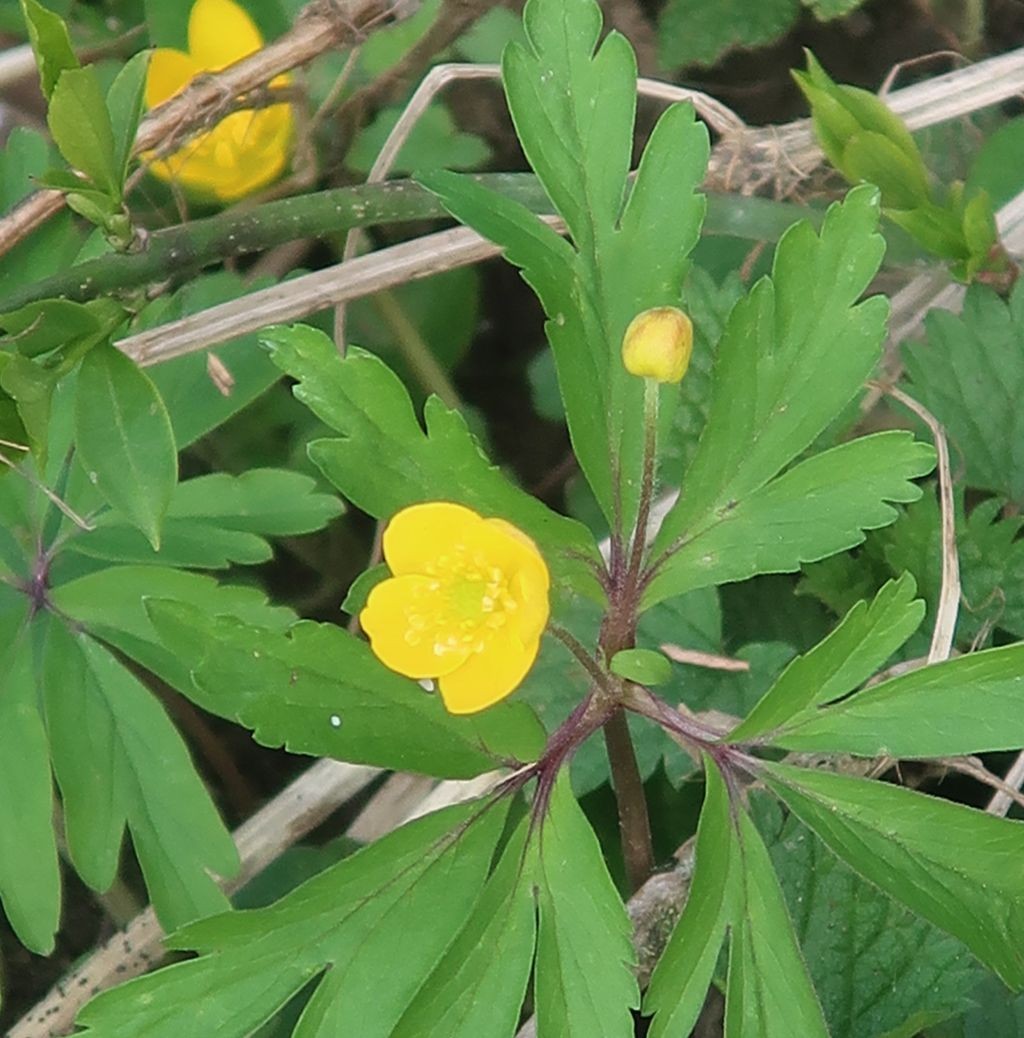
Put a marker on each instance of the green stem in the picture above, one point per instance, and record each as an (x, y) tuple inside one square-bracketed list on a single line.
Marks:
[(643, 515), (634, 824), (178, 252)]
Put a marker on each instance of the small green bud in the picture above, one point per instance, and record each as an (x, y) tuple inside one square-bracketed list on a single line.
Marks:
[(658, 344)]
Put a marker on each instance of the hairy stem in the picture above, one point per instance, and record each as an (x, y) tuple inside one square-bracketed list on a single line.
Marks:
[(634, 824), (178, 252)]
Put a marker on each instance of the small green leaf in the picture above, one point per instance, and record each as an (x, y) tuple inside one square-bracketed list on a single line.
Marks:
[(435, 143), (29, 872), (769, 994), (994, 169), (389, 911), (819, 507), (384, 461), (692, 32), (644, 666), (961, 869), (124, 439), (119, 762), (474, 991), (41, 327), (360, 588), (864, 640), (317, 689), (110, 604), (583, 979), (679, 984), (124, 105), (80, 124), (31, 387), (931, 712), (50, 43)]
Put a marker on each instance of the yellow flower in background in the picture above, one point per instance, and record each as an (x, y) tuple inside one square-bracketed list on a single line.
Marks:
[(466, 605), (658, 344), (246, 150)]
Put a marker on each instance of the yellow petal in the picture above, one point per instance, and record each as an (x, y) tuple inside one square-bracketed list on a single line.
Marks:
[(488, 676), (220, 32), (529, 588), (168, 72), (393, 639), (417, 535), (526, 555)]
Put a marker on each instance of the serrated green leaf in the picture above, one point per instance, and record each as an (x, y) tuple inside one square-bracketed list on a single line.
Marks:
[(795, 351), (110, 604), (317, 689), (959, 868), (583, 979), (388, 911), (769, 994), (435, 143), (384, 461), (692, 32), (124, 106), (878, 969), (80, 124), (819, 507), (864, 640), (216, 520), (29, 871), (124, 439), (970, 374), (966, 705), (573, 110), (183, 542), (50, 43), (477, 989), (679, 984), (119, 762)]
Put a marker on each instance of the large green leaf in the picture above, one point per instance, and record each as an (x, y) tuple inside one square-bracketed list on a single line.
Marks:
[(119, 761), (110, 604), (318, 689), (679, 984), (478, 987), (794, 353), (583, 980), (965, 705), (215, 520), (821, 506), (29, 873), (970, 374), (769, 994), (864, 640), (384, 461), (876, 966), (961, 869), (573, 109), (124, 439), (372, 927)]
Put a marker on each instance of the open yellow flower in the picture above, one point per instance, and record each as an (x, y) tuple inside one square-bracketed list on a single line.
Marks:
[(467, 604), (246, 150)]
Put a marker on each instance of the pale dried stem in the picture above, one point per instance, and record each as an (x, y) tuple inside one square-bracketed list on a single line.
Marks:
[(1008, 792), (708, 660), (949, 595)]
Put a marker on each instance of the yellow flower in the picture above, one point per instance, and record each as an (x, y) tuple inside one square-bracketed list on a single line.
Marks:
[(467, 604), (247, 149), (658, 344)]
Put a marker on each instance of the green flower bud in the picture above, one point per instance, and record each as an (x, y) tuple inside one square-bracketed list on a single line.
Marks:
[(658, 344)]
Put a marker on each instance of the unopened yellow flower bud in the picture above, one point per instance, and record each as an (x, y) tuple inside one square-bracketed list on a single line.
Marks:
[(658, 344)]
